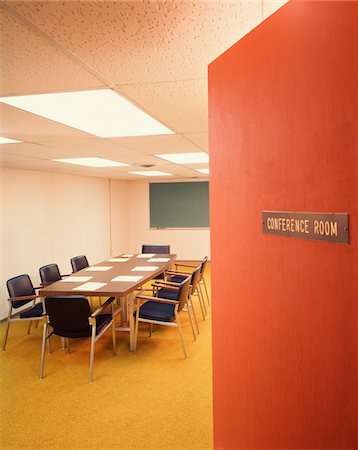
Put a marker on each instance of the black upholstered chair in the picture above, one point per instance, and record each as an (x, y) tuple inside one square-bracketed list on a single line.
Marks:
[(178, 276), (157, 249), (160, 249), (71, 317), (79, 263), (164, 308), (22, 292), (50, 274), (202, 278)]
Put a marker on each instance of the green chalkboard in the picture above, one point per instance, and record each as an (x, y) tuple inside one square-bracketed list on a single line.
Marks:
[(179, 205)]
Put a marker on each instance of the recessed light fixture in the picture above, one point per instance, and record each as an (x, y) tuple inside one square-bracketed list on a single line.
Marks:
[(205, 171), (91, 162), (102, 113), (4, 140), (185, 158), (152, 173)]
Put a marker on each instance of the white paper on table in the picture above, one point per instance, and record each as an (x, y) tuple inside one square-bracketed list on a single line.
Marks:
[(118, 260), (145, 268), (91, 286), (127, 278), (158, 259), (127, 255), (74, 279), (99, 268), (145, 255)]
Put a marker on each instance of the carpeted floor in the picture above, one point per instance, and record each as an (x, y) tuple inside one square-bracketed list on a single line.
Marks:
[(154, 399)]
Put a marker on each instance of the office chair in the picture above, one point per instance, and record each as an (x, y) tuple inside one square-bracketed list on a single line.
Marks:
[(22, 292), (163, 309), (202, 278), (178, 277), (157, 249), (70, 318), (50, 274), (160, 249), (79, 263)]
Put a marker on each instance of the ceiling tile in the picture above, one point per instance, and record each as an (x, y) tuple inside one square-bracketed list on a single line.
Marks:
[(181, 105), (33, 65), (171, 143), (116, 38)]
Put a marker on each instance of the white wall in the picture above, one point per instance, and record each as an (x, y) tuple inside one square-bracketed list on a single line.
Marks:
[(186, 243), (50, 217), (119, 217)]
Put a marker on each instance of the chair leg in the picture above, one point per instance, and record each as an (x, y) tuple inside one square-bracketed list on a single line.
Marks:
[(6, 333), (68, 345), (200, 293), (93, 340), (191, 320), (200, 302), (37, 324), (44, 336), (136, 328), (114, 332), (194, 314), (206, 292), (180, 332), (28, 330), (150, 330)]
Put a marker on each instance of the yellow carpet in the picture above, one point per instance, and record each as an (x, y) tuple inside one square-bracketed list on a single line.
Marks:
[(154, 399)]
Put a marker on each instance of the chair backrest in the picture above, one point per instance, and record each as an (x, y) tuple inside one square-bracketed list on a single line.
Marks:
[(49, 273), (183, 292), (203, 266), (161, 249), (20, 286), (69, 315), (79, 263), (195, 278)]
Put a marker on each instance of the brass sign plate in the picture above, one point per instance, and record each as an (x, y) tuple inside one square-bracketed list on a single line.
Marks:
[(329, 227)]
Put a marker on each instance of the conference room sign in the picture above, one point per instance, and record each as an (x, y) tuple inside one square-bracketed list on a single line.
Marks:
[(329, 227)]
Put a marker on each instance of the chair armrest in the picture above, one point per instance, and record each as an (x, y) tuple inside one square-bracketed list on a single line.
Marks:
[(166, 286), (157, 299), (185, 265), (177, 272), (101, 308), (165, 283), (26, 297), (67, 275)]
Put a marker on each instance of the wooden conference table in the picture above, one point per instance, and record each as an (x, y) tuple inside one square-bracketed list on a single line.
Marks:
[(116, 277)]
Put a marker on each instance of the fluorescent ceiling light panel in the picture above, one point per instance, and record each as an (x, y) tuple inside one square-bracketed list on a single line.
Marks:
[(185, 158), (204, 171), (101, 112), (151, 173), (4, 140), (91, 162)]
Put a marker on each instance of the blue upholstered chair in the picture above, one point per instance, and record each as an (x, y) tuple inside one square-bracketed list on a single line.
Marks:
[(71, 317), (78, 263), (157, 249), (202, 278), (22, 293), (164, 308), (50, 274)]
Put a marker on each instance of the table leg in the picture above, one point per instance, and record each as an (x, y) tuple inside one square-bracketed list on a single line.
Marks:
[(131, 298)]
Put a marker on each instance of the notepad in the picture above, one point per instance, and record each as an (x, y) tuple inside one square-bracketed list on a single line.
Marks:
[(145, 255), (128, 278), (91, 286), (99, 268), (158, 259), (74, 279), (118, 260), (145, 268), (127, 255)]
